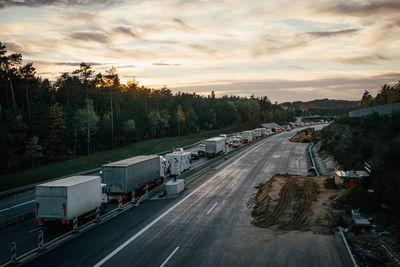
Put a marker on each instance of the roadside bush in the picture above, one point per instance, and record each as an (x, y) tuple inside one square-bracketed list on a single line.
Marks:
[(374, 139)]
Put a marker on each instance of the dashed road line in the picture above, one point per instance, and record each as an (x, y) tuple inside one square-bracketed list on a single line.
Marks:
[(33, 200), (169, 257), (213, 207)]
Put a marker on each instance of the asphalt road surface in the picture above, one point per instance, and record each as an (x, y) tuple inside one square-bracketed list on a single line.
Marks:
[(208, 225)]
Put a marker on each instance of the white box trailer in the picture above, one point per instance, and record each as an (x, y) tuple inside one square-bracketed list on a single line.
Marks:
[(258, 133), (214, 146), (247, 137), (263, 132), (177, 163), (133, 174), (64, 199)]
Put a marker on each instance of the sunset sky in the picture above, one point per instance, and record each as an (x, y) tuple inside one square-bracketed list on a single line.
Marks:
[(285, 49)]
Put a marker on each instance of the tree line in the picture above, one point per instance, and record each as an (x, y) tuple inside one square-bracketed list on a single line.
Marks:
[(83, 112), (387, 95)]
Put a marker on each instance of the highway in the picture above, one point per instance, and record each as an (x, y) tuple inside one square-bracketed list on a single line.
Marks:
[(24, 232), (208, 225)]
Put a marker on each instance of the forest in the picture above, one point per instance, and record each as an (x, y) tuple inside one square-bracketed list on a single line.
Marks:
[(82, 112), (325, 106)]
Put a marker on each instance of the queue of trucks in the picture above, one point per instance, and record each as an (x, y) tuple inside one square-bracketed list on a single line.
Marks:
[(80, 196), (60, 201)]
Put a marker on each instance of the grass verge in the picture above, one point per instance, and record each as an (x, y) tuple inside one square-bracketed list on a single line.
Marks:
[(62, 168)]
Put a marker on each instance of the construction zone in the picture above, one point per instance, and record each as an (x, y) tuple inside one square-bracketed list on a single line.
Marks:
[(303, 136), (292, 202)]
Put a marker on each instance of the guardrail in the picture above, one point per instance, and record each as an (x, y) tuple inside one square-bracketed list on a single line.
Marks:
[(347, 247), (312, 159), (32, 186), (17, 218)]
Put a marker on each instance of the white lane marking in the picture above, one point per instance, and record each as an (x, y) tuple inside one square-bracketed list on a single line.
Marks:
[(234, 183), (33, 200), (169, 257), (33, 230), (127, 242), (216, 203)]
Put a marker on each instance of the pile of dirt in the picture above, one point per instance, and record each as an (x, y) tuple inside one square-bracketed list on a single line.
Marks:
[(304, 135), (292, 202)]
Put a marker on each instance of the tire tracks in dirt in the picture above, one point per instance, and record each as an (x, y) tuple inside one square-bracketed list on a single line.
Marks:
[(286, 197)]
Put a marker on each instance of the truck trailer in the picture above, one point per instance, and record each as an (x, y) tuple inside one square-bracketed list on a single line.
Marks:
[(214, 146), (258, 133), (133, 176), (61, 200), (247, 137), (177, 163)]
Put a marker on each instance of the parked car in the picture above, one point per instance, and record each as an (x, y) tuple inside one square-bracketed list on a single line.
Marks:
[(235, 142), (202, 150), (194, 155), (178, 150)]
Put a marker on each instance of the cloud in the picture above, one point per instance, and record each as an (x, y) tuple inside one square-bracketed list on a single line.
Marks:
[(125, 67), (361, 9), (125, 30), (202, 48), (276, 43), (77, 63), (328, 34), (16, 48), (90, 37), (334, 87), (40, 3), (165, 64), (179, 21), (361, 60)]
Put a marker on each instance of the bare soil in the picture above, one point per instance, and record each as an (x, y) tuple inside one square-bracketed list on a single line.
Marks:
[(297, 137), (292, 202)]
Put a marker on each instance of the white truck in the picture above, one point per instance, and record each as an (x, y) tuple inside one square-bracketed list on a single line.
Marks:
[(258, 133), (247, 137), (132, 177), (214, 146), (177, 163), (58, 202)]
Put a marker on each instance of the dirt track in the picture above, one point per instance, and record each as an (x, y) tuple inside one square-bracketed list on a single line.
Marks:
[(290, 202)]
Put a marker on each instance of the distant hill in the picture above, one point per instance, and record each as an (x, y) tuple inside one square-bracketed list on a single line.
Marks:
[(323, 106)]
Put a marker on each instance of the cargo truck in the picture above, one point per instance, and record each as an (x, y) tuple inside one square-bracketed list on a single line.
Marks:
[(257, 133), (247, 137), (263, 132), (214, 146), (133, 176), (177, 163), (58, 202)]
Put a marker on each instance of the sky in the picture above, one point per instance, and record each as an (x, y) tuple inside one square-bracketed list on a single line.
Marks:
[(288, 50)]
